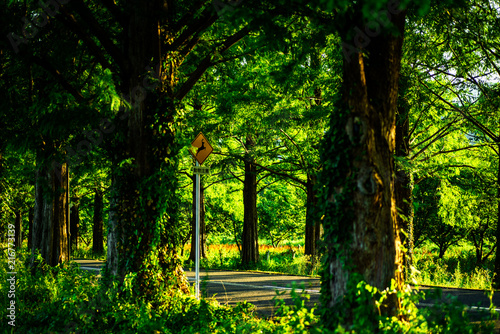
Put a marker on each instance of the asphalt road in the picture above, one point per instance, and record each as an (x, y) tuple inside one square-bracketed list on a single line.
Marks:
[(260, 289), (232, 287)]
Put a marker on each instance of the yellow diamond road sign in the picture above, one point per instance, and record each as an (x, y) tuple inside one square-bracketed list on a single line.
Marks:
[(200, 148)]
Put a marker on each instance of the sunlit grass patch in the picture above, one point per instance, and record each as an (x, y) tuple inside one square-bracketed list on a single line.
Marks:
[(287, 259), (457, 268)]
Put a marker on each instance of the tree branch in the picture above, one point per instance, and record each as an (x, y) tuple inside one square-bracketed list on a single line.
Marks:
[(231, 172), (207, 62), (69, 21), (454, 150), (98, 32), (471, 119), (284, 175), (115, 11), (59, 77), (438, 135)]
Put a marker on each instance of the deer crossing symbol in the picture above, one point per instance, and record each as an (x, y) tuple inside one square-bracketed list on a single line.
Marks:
[(201, 148)]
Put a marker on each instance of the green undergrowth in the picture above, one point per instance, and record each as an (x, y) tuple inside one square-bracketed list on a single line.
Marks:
[(288, 260), (457, 269), (66, 299), (86, 252)]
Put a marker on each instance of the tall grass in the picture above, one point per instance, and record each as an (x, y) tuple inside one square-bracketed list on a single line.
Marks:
[(457, 269), (282, 259)]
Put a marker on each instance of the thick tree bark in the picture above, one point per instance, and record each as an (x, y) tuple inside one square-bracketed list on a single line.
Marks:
[(75, 225), (360, 223), (250, 241), (141, 225), (18, 240), (98, 225), (203, 235), (313, 226), (50, 216)]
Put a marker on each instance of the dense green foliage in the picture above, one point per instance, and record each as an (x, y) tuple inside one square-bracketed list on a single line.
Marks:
[(266, 83)]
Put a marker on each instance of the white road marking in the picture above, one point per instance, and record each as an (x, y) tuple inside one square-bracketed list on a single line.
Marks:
[(90, 268), (262, 287), (467, 307), (268, 287)]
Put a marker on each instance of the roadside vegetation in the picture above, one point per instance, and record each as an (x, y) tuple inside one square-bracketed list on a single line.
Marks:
[(457, 269), (64, 299)]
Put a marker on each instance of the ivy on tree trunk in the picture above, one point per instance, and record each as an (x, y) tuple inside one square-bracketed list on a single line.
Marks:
[(404, 178), (360, 220), (496, 278)]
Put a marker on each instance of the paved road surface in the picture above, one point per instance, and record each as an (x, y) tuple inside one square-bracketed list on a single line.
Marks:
[(231, 287), (260, 289)]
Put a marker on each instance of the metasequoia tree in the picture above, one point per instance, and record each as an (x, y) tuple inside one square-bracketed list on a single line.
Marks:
[(154, 52), (468, 59), (149, 55), (50, 231), (45, 108), (360, 224), (281, 108)]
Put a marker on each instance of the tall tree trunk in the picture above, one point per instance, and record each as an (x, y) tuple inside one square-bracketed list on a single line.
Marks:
[(360, 219), (18, 240), (30, 226), (142, 218), (50, 216), (250, 241), (203, 237), (75, 225), (98, 225), (313, 226)]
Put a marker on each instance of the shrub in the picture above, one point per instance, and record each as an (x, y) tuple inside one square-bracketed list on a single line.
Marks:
[(65, 299)]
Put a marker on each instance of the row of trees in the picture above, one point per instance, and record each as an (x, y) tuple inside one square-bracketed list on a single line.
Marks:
[(104, 98)]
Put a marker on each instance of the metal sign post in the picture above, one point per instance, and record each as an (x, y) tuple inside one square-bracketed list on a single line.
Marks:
[(200, 149), (197, 235)]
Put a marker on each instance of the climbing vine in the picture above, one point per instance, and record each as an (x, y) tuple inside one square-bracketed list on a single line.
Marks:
[(335, 201)]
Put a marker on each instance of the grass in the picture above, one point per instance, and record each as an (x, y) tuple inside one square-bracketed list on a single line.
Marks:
[(457, 269), (65, 299), (85, 252), (282, 259)]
